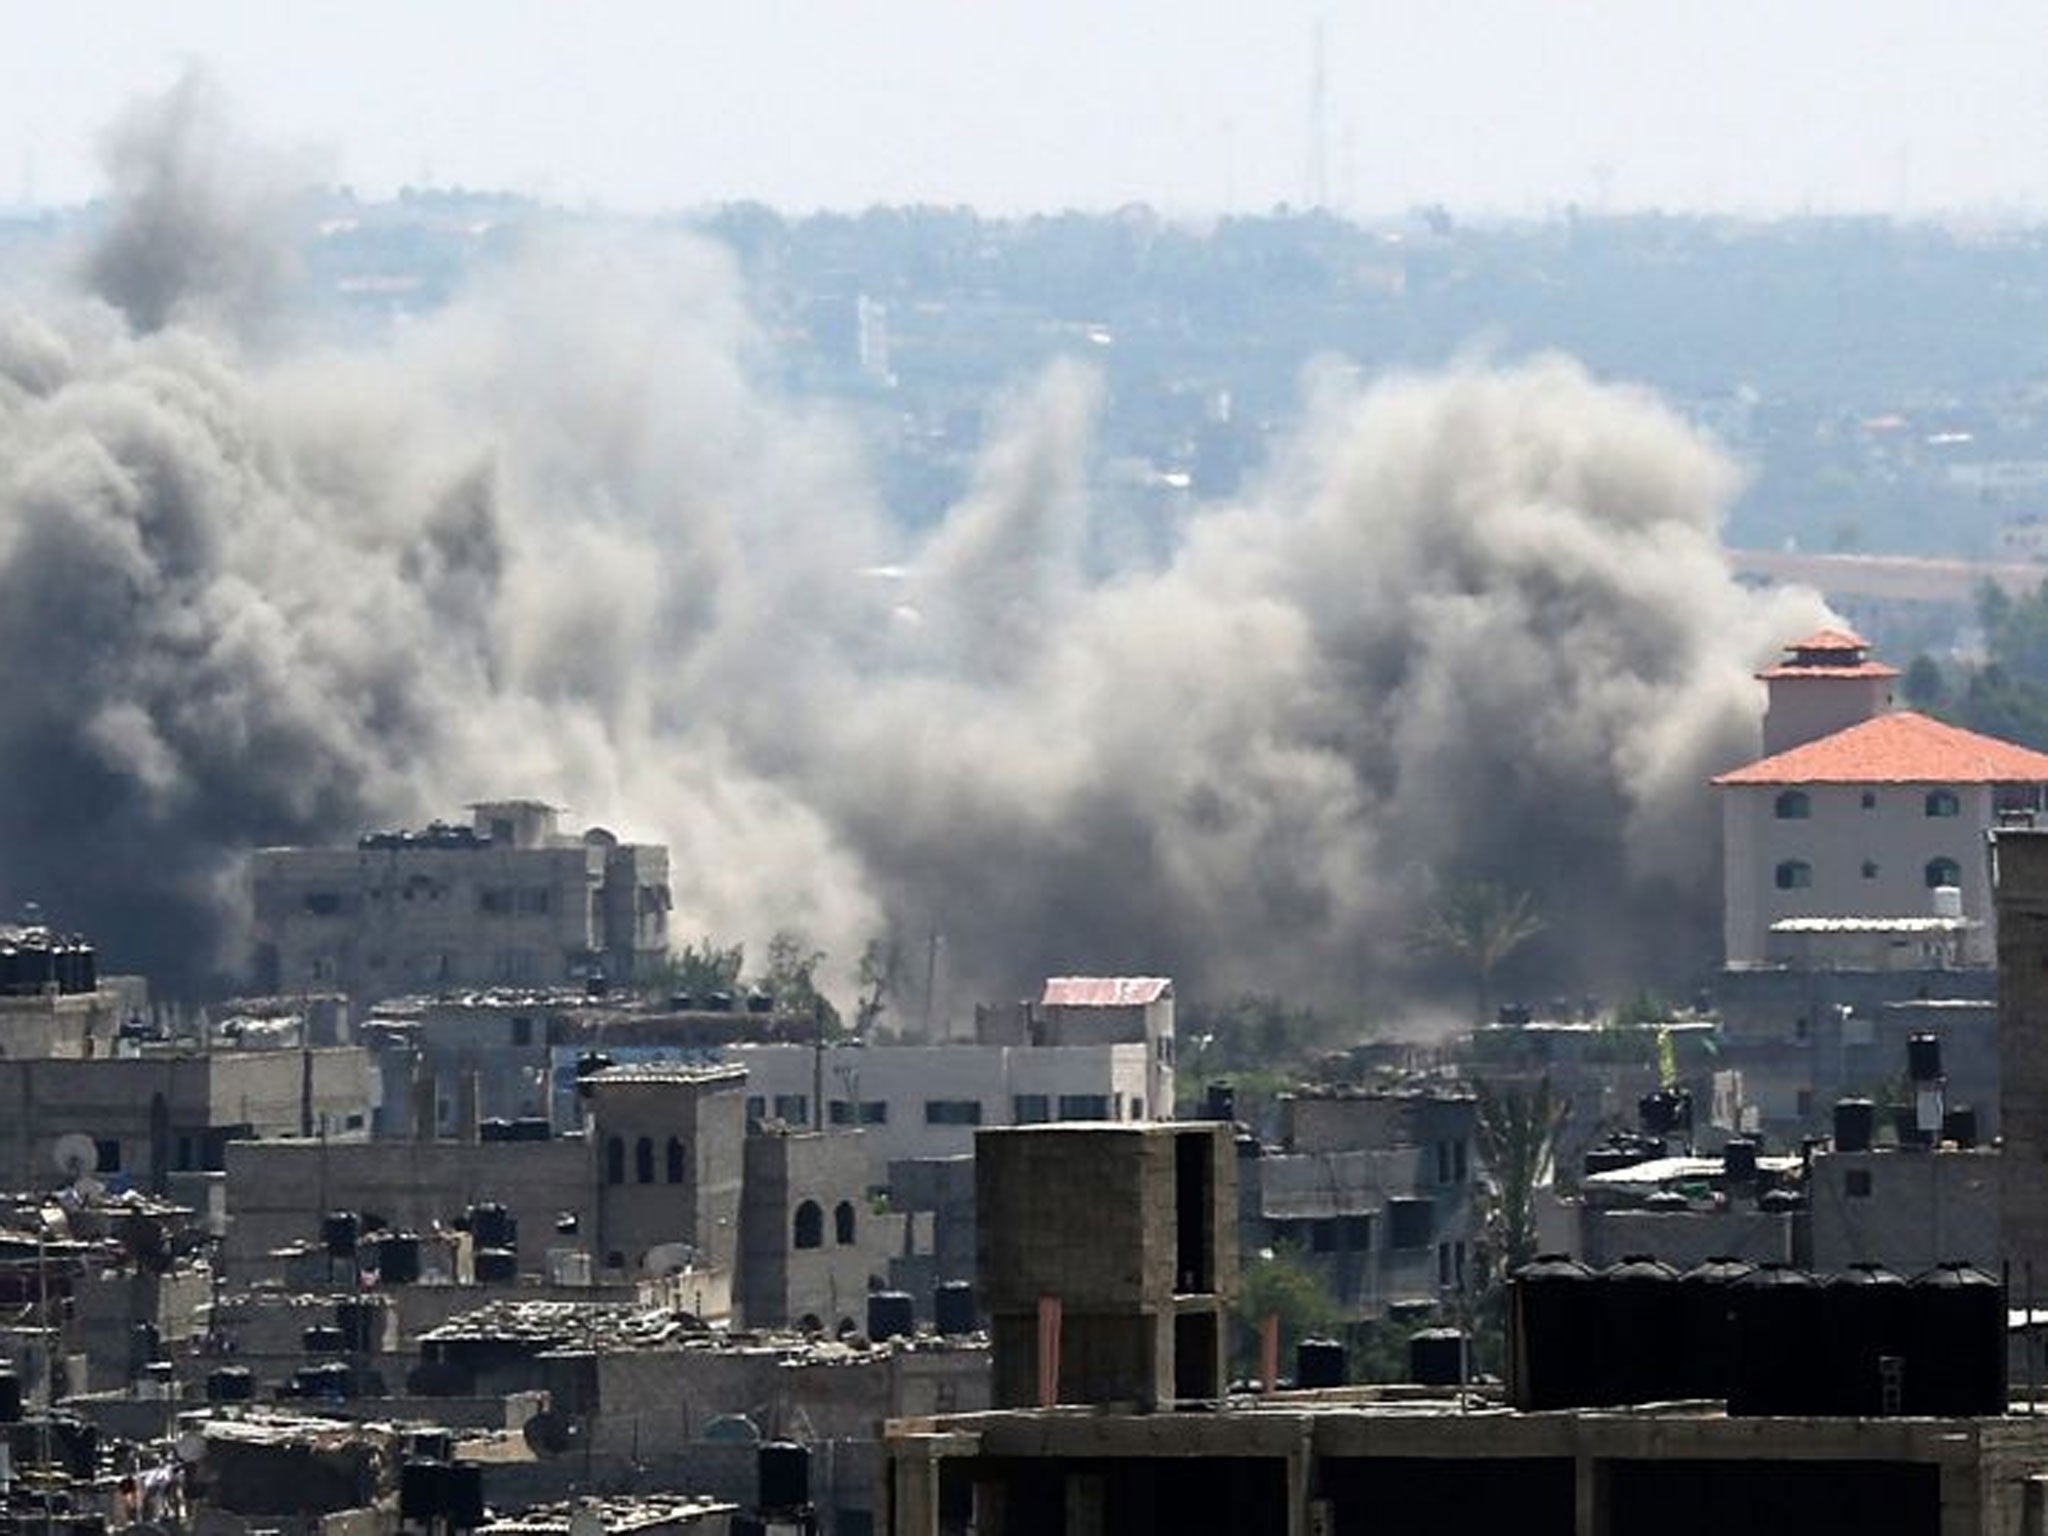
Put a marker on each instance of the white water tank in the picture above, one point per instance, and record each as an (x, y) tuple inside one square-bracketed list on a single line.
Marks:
[(1948, 901)]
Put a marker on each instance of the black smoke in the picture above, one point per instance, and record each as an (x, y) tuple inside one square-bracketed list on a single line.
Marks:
[(558, 540)]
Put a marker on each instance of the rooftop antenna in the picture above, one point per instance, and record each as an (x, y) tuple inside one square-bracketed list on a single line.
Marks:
[(1318, 191)]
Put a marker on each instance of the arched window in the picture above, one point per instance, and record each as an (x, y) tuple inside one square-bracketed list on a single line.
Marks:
[(675, 1160), (643, 1159), (615, 1159), (810, 1225), (1944, 872), (842, 1222), (1794, 875), (1943, 802), (1793, 805)]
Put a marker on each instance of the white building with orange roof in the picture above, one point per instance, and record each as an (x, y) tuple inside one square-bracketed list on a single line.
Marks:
[(1859, 839)]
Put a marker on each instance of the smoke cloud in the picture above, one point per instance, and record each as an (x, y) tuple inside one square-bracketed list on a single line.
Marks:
[(558, 539)]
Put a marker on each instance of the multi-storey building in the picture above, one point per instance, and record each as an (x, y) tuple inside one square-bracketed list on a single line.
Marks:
[(505, 900)]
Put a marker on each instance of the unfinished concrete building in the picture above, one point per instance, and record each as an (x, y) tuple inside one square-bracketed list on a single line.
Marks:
[(1108, 1259)]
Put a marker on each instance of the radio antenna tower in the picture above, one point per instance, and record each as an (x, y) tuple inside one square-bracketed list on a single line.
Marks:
[(1318, 189)]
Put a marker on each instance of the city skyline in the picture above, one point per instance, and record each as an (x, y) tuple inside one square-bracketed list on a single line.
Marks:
[(1487, 108)]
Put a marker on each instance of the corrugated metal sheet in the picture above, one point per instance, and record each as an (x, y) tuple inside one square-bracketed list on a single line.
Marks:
[(1104, 991)]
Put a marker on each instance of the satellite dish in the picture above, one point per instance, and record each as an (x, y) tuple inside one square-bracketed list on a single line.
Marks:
[(191, 1447), (76, 1155)]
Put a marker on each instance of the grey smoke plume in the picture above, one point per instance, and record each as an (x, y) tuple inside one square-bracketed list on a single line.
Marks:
[(558, 540)]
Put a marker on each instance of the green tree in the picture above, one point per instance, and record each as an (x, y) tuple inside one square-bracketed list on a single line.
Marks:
[(1923, 684), (881, 981), (1281, 1283), (1477, 926), (791, 978), (697, 970)]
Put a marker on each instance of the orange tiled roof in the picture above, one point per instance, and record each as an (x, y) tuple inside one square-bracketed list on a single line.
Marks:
[(1828, 653), (1902, 747), (1849, 669), (1831, 640)]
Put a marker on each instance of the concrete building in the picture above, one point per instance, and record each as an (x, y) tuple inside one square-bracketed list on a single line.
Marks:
[(2019, 857), (278, 1190), (668, 1147), (1371, 1189), (1802, 1037), (810, 1247), (1862, 812), (1108, 1260), (1350, 1461), (1907, 1209), (505, 900), (169, 1110), (1107, 1010), (925, 1101)]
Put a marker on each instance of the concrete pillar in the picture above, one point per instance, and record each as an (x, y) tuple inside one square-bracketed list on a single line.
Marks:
[(914, 1490), (1087, 1505), (1592, 1504)]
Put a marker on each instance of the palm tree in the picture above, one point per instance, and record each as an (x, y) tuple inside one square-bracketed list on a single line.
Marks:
[(1478, 924)]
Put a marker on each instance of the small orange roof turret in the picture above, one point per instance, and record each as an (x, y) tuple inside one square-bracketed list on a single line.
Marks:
[(1829, 653)]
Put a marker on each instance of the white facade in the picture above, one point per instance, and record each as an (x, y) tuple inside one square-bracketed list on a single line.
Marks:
[(1841, 850), (929, 1100)]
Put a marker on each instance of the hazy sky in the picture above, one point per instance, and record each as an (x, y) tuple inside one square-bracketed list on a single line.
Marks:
[(1502, 105)]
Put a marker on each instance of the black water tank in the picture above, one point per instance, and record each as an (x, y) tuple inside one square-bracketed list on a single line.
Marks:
[(323, 1339), (1437, 1357), (1219, 1102), (1706, 1328), (496, 1266), (398, 1258), (231, 1384), (332, 1380), (1553, 1315), (462, 1495), (1634, 1358), (494, 1130), (338, 1231), (533, 1128), (890, 1313), (1781, 1356), (1777, 1201), (1855, 1125), (1923, 1058), (10, 1398), (570, 1378), (1955, 1366), (953, 1307), (493, 1226), (78, 1444), (419, 1492), (1738, 1161), (785, 1476), (1959, 1125), (1870, 1316), (361, 1321), (1318, 1363), (1664, 1111)]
